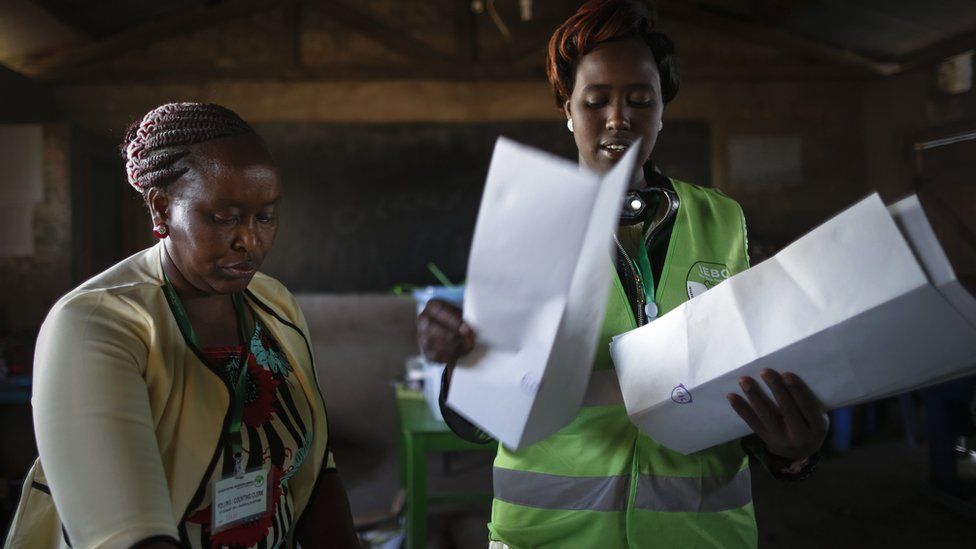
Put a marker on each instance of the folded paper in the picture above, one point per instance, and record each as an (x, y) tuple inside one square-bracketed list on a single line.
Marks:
[(536, 292), (864, 306)]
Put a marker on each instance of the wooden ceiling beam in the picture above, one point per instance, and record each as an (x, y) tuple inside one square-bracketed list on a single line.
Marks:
[(63, 16), (691, 14), (394, 38), (445, 72), (771, 12), (941, 50), (173, 25), (466, 31)]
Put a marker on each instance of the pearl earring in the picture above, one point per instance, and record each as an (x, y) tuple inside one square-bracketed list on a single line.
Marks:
[(569, 124)]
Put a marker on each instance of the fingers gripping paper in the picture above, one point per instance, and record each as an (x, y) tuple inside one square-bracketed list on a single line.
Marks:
[(536, 291), (864, 306)]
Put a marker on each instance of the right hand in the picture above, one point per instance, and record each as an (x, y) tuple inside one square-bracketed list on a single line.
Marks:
[(442, 333)]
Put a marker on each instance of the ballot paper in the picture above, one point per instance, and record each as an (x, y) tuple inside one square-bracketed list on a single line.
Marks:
[(864, 306), (536, 291)]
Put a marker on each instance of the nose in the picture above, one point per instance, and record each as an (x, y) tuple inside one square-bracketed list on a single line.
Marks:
[(618, 118), (246, 239)]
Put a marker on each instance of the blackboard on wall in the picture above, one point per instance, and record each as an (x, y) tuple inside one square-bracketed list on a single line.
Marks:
[(368, 206)]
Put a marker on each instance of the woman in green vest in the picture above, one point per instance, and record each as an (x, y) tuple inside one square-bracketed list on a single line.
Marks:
[(599, 482)]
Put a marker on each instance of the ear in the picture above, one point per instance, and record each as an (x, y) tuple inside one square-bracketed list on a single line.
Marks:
[(158, 203), (566, 110)]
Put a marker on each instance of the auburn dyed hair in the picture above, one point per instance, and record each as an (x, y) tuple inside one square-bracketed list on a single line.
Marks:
[(599, 21)]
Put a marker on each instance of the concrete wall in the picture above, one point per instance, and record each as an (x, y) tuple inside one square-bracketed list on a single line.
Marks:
[(32, 284), (360, 344)]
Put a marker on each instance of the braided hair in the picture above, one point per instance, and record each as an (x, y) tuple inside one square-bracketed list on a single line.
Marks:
[(153, 145)]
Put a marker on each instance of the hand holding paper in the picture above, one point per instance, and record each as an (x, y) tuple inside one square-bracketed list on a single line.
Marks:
[(792, 423), (442, 333), (862, 307)]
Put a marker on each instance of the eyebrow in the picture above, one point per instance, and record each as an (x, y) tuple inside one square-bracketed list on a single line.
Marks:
[(223, 202), (601, 87)]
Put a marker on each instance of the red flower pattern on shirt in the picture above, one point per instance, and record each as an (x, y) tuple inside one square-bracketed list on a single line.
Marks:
[(259, 399)]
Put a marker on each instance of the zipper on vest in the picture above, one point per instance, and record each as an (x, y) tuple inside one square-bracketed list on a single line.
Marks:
[(650, 236), (641, 315)]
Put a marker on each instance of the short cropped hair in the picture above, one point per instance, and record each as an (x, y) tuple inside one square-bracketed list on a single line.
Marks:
[(599, 21)]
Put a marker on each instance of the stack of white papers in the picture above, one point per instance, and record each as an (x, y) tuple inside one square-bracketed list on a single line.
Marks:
[(536, 291), (862, 307)]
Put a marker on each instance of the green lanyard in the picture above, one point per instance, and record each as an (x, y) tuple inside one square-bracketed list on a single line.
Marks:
[(240, 385), (644, 266)]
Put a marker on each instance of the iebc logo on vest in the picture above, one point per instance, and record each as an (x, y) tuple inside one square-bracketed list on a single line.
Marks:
[(704, 276)]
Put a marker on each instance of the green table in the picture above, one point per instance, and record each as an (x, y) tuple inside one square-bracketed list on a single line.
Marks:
[(422, 433)]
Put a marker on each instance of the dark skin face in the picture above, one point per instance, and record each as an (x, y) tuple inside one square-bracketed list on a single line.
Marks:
[(616, 100), (222, 221), (221, 215)]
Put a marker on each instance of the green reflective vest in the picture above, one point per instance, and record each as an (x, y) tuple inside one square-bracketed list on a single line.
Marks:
[(599, 482)]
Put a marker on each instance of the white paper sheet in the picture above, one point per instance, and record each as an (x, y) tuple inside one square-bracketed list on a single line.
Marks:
[(847, 307), (536, 290)]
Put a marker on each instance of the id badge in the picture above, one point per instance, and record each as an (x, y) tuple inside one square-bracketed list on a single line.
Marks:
[(240, 498)]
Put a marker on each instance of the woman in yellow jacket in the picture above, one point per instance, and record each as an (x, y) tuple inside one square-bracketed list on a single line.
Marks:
[(175, 398)]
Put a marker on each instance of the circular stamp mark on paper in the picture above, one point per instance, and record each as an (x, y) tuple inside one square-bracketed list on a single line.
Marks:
[(530, 384), (681, 395)]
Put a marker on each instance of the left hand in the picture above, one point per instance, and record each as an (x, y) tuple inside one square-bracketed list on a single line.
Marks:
[(793, 427)]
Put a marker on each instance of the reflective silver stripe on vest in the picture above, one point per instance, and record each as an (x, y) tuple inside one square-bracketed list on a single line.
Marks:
[(654, 493), (547, 491), (604, 389), (693, 494)]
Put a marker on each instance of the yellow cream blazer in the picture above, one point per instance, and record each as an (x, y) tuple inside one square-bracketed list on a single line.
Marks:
[(128, 417)]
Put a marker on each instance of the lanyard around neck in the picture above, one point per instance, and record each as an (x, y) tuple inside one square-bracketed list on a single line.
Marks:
[(239, 385), (643, 262)]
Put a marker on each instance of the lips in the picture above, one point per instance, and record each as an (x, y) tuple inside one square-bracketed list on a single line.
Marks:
[(614, 148), (240, 270)]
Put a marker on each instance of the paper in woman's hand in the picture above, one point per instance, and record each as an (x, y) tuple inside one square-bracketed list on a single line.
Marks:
[(864, 306), (536, 291)]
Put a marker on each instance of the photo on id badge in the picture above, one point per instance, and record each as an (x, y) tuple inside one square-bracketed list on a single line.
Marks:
[(704, 276)]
